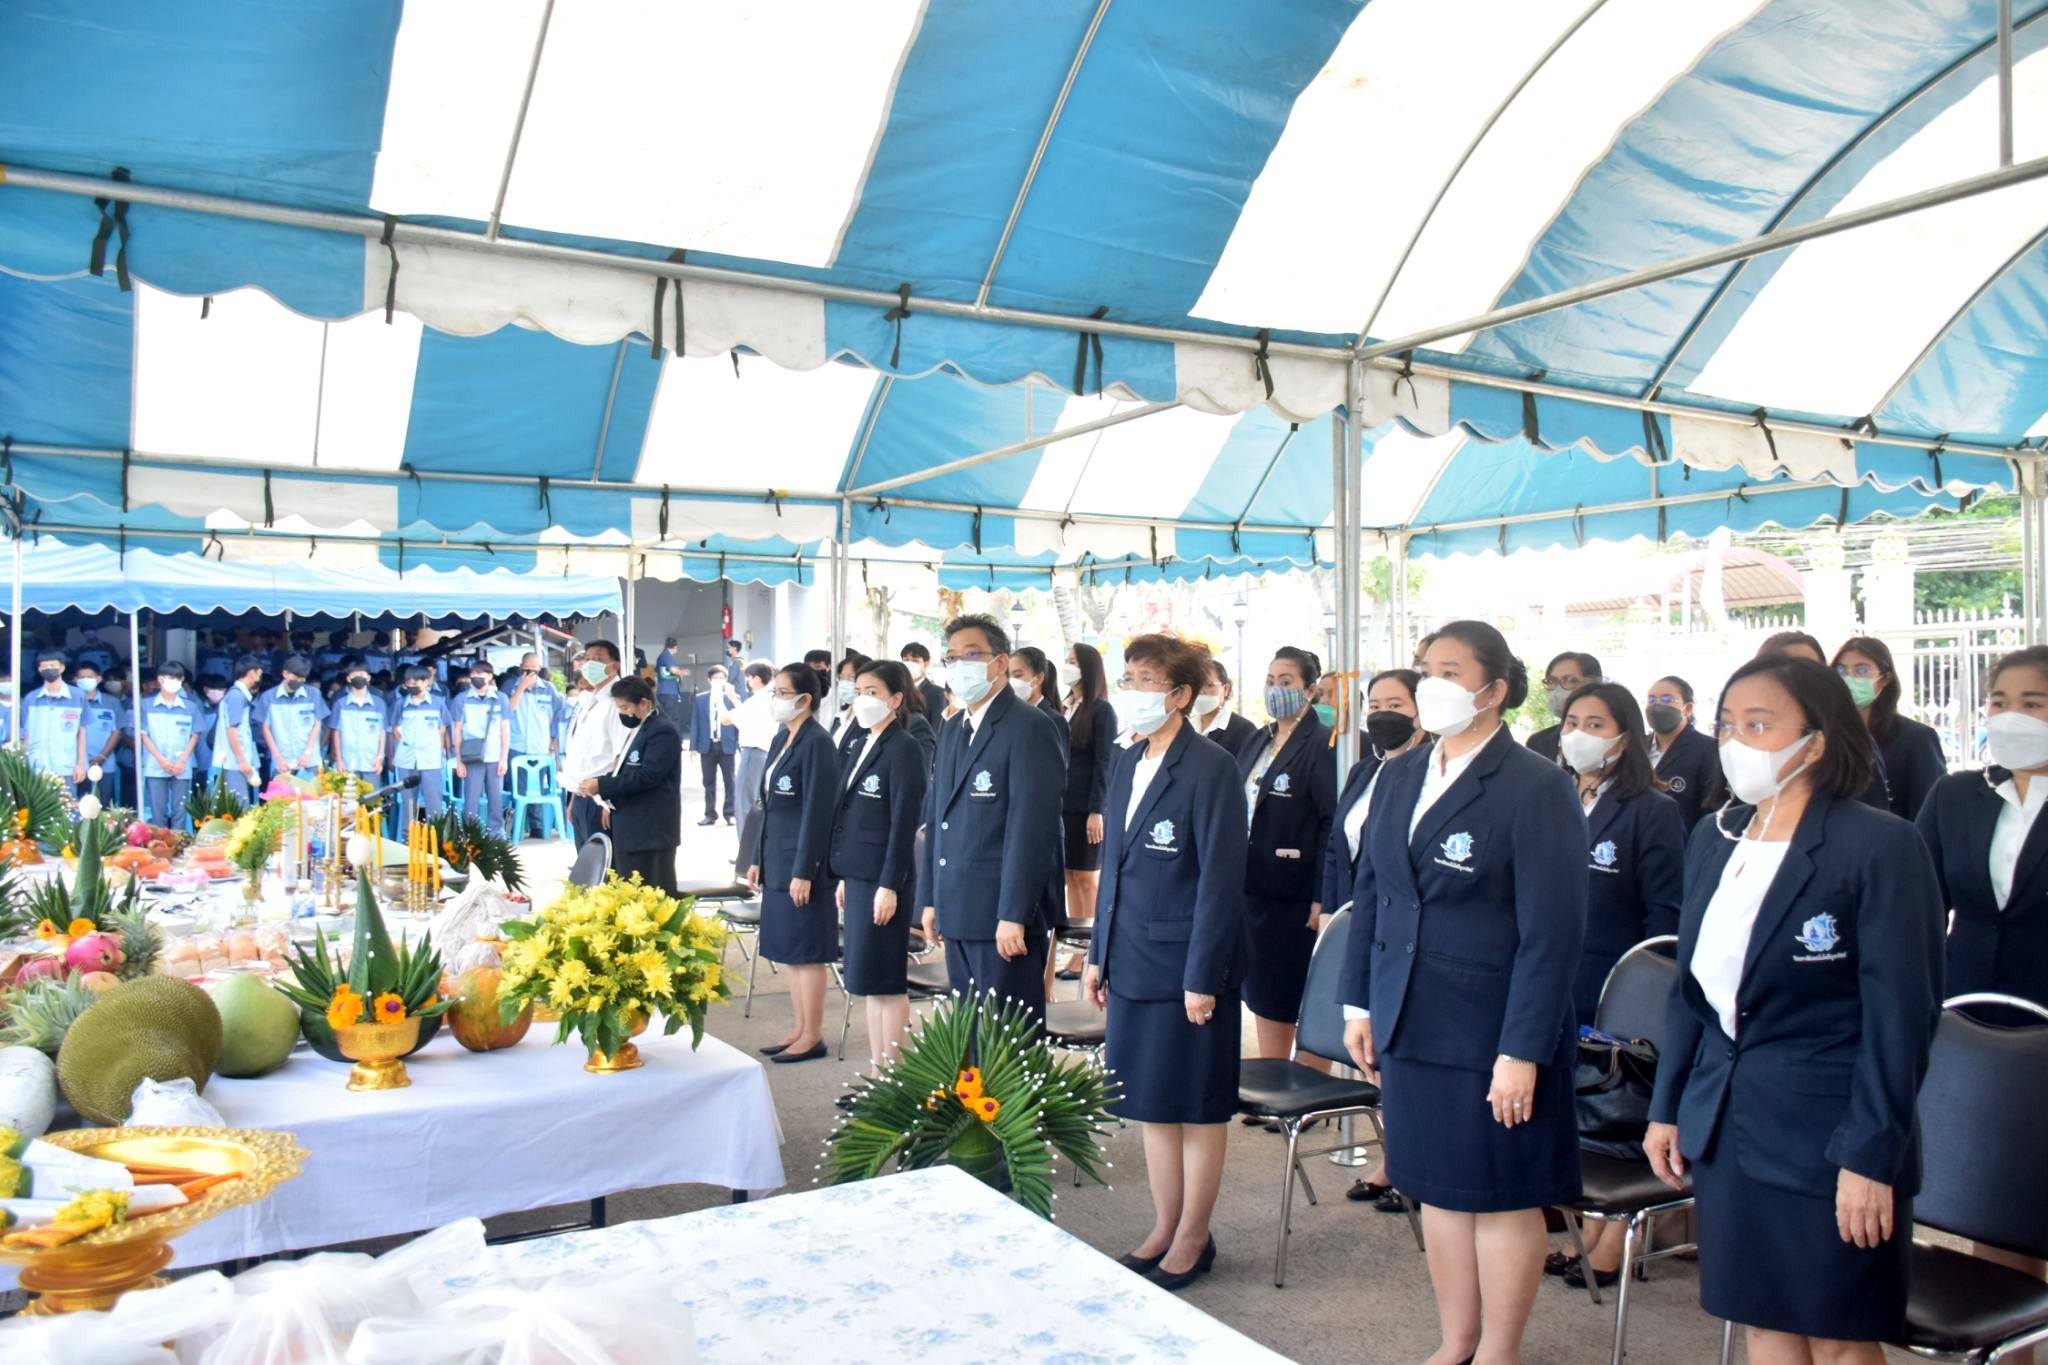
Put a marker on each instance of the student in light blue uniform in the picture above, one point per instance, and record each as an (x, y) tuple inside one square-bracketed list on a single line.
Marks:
[(536, 707), (291, 715), (7, 706), (358, 721), (419, 743), (170, 725), (482, 726), (234, 730), (105, 719), (53, 722), (212, 690), (94, 653)]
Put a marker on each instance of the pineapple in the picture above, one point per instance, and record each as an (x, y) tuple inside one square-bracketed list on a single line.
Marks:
[(40, 1011)]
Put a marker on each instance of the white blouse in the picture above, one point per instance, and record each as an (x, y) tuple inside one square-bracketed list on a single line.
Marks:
[(2009, 835), (1354, 819), (1141, 779), (1439, 773), (1730, 919)]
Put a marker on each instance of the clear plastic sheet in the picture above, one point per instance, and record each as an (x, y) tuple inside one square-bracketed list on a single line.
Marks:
[(133, 1333), (571, 1319), (171, 1104)]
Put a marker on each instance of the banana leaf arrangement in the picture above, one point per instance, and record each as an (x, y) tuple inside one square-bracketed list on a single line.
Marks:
[(467, 845), (375, 967)]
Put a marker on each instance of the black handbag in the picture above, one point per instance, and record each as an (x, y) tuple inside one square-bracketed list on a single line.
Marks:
[(1611, 1084)]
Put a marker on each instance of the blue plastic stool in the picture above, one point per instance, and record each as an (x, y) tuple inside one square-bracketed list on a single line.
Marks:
[(533, 788)]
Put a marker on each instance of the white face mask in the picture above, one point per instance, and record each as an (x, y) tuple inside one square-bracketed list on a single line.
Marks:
[(1068, 674), (969, 680), (2018, 741), (869, 711), (916, 670), (846, 691), (1753, 773), (1143, 712), (1557, 697), (1443, 708), (1022, 687), (1206, 703), (171, 686), (1585, 753), (782, 710)]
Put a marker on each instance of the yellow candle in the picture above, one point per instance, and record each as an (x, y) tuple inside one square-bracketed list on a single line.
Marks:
[(434, 856)]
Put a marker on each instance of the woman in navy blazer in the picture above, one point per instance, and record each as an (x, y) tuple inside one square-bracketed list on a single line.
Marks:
[(1908, 753), (1809, 954), (1164, 960), (1213, 717), (1467, 916), (1289, 773), (799, 920), (1684, 759), (1391, 730), (1091, 749), (874, 831), (1989, 845)]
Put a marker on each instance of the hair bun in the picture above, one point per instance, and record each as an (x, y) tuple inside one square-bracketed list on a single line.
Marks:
[(1518, 684)]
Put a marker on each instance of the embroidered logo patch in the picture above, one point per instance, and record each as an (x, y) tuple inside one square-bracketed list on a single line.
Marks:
[(633, 757), (1281, 784), (983, 782), (871, 784), (1818, 935), (1676, 784), (782, 784), (1162, 834), (1603, 853), (1458, 848)]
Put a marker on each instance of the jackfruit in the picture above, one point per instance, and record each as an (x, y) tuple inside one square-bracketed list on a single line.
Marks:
[(159, 1027)]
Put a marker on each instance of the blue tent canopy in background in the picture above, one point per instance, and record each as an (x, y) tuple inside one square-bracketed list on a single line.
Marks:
[(1198, 175)]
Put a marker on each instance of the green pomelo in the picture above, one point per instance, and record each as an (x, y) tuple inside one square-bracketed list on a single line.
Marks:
[(258, 1025)]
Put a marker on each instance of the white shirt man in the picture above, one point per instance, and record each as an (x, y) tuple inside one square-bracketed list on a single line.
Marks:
[(595, 737)]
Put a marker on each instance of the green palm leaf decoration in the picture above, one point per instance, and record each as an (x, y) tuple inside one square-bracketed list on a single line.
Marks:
[(22, 788), (1003, 1120), (466, 844)]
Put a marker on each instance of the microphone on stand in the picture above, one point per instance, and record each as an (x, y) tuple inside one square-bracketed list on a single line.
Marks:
[(410, 781)]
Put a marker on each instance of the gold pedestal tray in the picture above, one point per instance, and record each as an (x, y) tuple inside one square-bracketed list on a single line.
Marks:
[(627, 1058), (100, 1267), (376, 1050)]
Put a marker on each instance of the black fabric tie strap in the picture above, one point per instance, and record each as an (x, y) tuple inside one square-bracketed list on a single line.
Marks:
[(546, 499), (121, 549), (1763, 424), (676, 257), (391, 284), (7, 461), (1407, 376), (1262, 360), (126, 456), (774, 495), (213, 546), (269, 510), (884, 508), (735, 351), (401, 556), (206, 308), (1155, 546), (113, 217), (1935, 455), (312, 544), (1085, 343), (1579, 524), (663, 523), (1842, 517), (977, 530), (1654, 444), (896, 315), (1532, 426)]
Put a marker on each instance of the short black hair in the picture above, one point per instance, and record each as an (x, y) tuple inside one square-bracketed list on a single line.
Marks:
[(1882, 718), (804, 680), (896, 678), (1222, 673), (1791, 639), (296, 663), (170, 668), (757, 669), (853, 659), (990, 628), (49, 654), (818, 658), (207, 680), (1684, 687), (714, 670), (1588, 666), (1407, 677), (1846, 765), (1496, 660), (610, 649), (481, 665), (2033, 656), (246, 664), (417, 673), (916, 651), (632, 690)]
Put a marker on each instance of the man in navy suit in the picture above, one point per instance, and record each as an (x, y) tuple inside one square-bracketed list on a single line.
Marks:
[(716, 739), (991, 814)]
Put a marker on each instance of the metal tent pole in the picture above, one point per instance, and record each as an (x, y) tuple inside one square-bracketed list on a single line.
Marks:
[(628, 612), (14, 649), (1345, 515), (839, 577), (135, 700)]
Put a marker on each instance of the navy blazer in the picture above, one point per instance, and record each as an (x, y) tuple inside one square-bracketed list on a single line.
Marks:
[(1635, 866), (1688, 764), (1545, 741), (924, 730), (647, 791), (1059, 723), (1291, 820), (879, 808), (1839, 996), (1088, 766), (1233, 734), (1169, 913), (992, 821), (1990, 947), (1340, 869), (700, 728), (1465, 939), (1908, 768), (796, 806)]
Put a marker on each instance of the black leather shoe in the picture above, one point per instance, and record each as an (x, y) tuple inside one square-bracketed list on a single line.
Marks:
[(708, 820), (772, 1049), (809, 1054), (1606, 1279), (1203, 1264), (1368, 1191), (1144, 1265), (1559, 1263)]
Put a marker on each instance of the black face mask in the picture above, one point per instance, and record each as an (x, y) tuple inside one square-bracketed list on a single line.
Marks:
[(630, 721), (1665, 720), (49, 674), (1389, 730), (358, 684)]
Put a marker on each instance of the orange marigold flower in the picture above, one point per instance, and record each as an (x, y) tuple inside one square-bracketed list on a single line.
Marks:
[(987, 1109), (389, 1008), (79, 928), (345, 1010), (46, 930)]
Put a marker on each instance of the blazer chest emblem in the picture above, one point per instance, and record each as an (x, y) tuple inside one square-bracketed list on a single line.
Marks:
[(1162, 837), (1818, 936)]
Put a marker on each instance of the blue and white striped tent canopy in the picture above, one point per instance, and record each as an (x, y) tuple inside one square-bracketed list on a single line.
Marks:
[(1151, 201)]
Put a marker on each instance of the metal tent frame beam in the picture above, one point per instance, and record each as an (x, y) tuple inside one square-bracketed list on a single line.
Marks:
[(1023, 447)]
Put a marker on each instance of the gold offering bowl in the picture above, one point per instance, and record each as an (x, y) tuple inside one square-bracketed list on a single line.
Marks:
[(628, 1056), (375, 1049), (99, 1267)]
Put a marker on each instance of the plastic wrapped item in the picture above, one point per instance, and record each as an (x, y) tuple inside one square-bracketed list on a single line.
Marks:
[(171, 1104), (573, 1319), (304, 1312), (133, 1332)]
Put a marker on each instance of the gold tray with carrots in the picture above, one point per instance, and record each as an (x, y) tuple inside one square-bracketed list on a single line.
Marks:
[(214, 1169)]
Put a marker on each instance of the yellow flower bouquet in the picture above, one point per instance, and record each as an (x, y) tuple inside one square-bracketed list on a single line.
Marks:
[(611, 956), (257, 834)]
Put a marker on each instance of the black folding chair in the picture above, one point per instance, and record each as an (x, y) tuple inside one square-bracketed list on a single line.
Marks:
[(1982, 1111), (1296, 1094), (592, 861)]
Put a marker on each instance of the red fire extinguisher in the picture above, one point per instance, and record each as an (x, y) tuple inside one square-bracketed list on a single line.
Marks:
[(725, 621)]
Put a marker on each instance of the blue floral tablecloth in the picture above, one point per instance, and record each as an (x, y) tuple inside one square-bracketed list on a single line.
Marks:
[(925, 1265)]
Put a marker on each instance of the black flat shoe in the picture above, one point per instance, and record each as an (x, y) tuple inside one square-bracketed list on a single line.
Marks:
[(1606, 1279), (1144, 1265), (809, 1054), (708, 820), (1203, 1264), (845, 1102), (1393, 1201), (772, 1049), (1066, 976), (1559, 1262), (1368, 1191)]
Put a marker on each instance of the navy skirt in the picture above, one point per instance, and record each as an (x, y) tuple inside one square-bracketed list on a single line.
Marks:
[(877, 956), (1078, 853), (797, 936), (1173, 1071), (1771, 1258), (1445, 1149), (1277, 947)]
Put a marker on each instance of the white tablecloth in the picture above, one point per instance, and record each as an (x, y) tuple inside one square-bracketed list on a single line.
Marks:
[(484, 1133), (926, 1265)]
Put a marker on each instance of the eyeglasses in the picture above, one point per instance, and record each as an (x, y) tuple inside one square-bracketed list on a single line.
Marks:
[(1130, 684), (1664, 699), (1755, 729), (1858, 670), (972, 656)]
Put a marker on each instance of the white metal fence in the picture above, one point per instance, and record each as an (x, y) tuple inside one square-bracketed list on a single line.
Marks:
[(1951, 654)]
